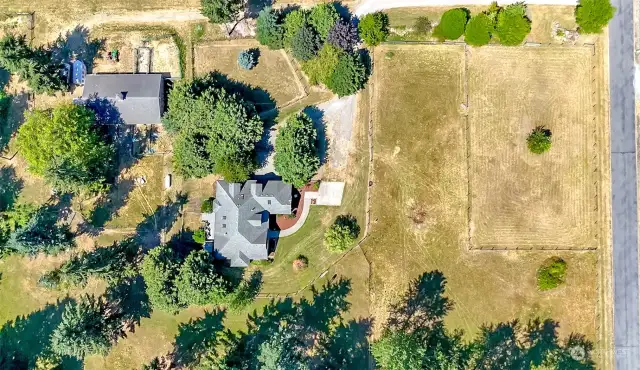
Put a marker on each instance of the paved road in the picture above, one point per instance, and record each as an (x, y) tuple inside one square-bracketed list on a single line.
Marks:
[(626, 314)]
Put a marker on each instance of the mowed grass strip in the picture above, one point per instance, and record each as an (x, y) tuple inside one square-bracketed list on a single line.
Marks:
[(419, 209), (273, 74), (521, 199)]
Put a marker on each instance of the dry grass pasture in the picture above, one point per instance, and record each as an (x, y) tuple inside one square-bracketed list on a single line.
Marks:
[(420, 205), (519, 199), (274, 72)]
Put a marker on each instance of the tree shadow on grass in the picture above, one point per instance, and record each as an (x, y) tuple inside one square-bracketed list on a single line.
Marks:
[(108, 206), (149, 231), (77, 44), (133, 300), (348, 347), (10, 187), (29, 336), (196, 337), (16, 107)]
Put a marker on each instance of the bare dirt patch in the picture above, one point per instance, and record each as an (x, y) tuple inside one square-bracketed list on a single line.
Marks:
[(525, 200)]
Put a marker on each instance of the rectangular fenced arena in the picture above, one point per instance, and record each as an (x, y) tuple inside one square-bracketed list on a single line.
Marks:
[(522, 200)]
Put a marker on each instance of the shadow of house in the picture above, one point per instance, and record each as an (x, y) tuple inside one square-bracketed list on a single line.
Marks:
[(30, 336), (319, 122), (76, 44), (10, 187)]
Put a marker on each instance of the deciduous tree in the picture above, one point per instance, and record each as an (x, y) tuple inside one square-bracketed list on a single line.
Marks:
[(349, 76), (374, 28), (198, 282), (159, 270), (63, 145), (323, 17), (513, 25), (344, 35), (342, 234), (452, 24), (296, 158), (221, 11), (593, 15)]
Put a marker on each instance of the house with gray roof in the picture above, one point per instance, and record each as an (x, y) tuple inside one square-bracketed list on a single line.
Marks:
[(239, 223), (138, 98)]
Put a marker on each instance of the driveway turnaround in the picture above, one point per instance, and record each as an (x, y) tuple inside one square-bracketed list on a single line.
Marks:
[(626, 312)]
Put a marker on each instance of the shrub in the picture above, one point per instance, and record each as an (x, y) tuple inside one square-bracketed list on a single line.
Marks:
[(452, 24), (551, 274), (197, 32), (593, 15), (342, 234), (323, 17), (199, 236), (246, 59), (513, 25), (269, 31), (300, 263), (349, 75), (478, 31), (539, 140), (422, 26), (221, 11), (207, 205), (320, 69), (293, 22), (305, 44), (374, 28), (296, 158), (344, 35)]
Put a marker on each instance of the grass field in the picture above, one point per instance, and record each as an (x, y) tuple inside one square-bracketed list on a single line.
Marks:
[(420, 203), (546, 201), (274, 73)]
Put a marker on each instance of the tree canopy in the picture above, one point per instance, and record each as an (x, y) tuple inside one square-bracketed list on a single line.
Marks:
[(87, 327), (159, 270), (269, 30), (478, 31), (349, 75), (35, 66), (374, 28), (198, 282), (593, 15), (342, 233), (296, 158), (452, 24), (63, 145), (539, 140), (41, 234), (221, 11), (214, 131), (293, 22), (323, 17), (305, 44), (344, 35), (513, 25)]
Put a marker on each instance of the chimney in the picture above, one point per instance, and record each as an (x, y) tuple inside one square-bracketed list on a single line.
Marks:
[(122, 95)]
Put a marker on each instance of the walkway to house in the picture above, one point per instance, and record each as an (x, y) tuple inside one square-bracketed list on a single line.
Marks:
[(329, 194)]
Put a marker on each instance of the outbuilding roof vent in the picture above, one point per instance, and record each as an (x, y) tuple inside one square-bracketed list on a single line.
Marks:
[(122, 95)]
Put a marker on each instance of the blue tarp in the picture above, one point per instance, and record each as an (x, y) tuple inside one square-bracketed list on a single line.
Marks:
[(79, 72)]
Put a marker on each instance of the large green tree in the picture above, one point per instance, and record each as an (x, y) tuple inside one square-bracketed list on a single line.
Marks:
[(269, 30), (87, 327), (374, 28), (214, 131), (42, 233), (113, 264), (64, 146), (198, 282), (593, 15), (323, 17), (349, 75), (296, 158), (35, 66), (513, 24), (293, 22), (159, 270), (305, 44), (221, 11), (341, 234)]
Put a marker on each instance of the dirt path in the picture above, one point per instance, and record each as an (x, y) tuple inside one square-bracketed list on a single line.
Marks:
[(153, 16), (370, 6)]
